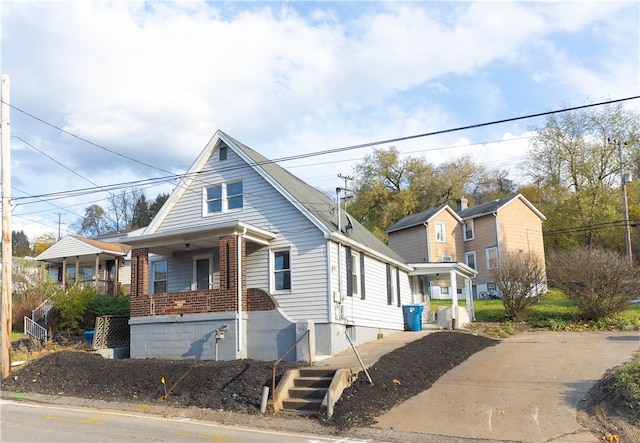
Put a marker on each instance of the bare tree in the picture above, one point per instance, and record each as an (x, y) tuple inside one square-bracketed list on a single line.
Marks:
[(521, 279)]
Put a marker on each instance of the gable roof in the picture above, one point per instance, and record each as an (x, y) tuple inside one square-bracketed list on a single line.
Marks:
[(422, 217), (74, 246), (312, 203), (495, 205)]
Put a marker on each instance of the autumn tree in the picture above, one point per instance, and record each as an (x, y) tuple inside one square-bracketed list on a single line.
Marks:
[(43, 242), (388, 187), (577, 170)]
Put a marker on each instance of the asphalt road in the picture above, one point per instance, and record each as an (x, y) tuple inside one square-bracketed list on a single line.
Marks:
[(524, 389), (30, 422)]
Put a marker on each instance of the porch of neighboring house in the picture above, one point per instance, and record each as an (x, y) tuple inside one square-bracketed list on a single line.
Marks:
[(102, 273), (444, 280)]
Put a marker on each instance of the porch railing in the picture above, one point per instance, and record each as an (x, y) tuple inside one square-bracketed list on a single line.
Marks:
[(34, 330), (42, 311)]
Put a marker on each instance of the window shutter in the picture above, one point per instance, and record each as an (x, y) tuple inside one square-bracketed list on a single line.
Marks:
[(398, 286), (389, 294), (362, 276), (349, 263)]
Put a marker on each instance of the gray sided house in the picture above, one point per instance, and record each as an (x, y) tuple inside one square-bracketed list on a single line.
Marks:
[(244, 258)]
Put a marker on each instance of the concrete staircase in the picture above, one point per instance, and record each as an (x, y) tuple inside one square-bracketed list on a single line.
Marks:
[(305, 391)]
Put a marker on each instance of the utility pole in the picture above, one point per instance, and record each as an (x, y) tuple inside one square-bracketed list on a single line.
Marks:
[(624, 178), (346, 178), (59, 214), (5, 309)]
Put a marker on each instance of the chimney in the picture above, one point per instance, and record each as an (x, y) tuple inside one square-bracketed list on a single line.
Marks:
[(462, 204)]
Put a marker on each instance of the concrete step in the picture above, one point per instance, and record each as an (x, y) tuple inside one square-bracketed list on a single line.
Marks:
[(302, 406), (312, 382), (308, 393)]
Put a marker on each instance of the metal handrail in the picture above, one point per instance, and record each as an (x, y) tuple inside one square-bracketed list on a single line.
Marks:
[(34, 329), (42, 310), (273, 373)]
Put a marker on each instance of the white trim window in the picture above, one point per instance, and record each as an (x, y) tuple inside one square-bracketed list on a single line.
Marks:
[(355, 273), (492, 257), (469, 233), (447, 258), (439, 227), (281, 270), (223, 197), (159, 276), (470, 259)]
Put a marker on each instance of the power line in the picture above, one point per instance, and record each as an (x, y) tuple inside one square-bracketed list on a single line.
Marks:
[(84, 191), (64, 131)]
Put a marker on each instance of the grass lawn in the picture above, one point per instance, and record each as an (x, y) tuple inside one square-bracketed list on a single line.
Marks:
[(553, 311)]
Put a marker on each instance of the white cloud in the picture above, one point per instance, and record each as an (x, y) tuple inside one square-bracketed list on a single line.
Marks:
[(153, 81)]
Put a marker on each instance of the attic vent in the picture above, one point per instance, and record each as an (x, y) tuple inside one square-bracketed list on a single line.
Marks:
[(223, 152)]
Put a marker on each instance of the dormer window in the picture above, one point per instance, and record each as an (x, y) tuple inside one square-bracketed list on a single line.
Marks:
[(224, 197)]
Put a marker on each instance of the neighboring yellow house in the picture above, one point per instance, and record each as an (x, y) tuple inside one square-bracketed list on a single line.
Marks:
[(472, 237)]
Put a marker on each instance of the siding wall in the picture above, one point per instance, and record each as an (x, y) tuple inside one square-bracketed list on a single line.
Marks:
[(264, 208), (484, 237), (373, 311), (452, 244), (411, 244)]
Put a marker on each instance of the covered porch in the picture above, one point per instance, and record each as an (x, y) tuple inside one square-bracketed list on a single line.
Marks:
[(88, 262), (191, 286), (448, 280)]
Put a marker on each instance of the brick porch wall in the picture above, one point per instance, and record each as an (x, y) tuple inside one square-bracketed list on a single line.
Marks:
[(224, 299)]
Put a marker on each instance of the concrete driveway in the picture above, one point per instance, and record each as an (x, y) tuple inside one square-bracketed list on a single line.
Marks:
[(524, 389)]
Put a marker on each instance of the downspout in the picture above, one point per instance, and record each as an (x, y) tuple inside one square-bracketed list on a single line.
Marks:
[(495, 216), (428, 281), (426, 228), (454, 298), (341, 316), (239, 281)]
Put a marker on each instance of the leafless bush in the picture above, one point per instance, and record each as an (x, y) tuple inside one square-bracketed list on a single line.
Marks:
[(600, 283), (31, 286), (520, 278)]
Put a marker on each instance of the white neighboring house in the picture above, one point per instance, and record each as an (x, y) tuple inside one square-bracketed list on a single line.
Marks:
[(102, 264), (248, 258)]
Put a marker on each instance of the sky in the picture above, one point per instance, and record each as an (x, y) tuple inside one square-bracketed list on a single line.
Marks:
[(105, 93)]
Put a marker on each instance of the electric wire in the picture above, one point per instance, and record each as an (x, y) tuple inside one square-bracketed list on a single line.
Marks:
[(63, 194)]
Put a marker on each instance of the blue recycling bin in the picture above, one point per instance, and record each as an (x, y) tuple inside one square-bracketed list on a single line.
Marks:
[(88, 335), (412, 317)]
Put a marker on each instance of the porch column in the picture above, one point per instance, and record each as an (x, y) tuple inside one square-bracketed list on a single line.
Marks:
[(77, 268), (97, 270), (116, 273), (64, 273), (469, 296), (454, 298), (140, 303)]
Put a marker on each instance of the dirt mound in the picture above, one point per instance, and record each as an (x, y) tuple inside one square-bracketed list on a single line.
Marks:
[(237, 385)]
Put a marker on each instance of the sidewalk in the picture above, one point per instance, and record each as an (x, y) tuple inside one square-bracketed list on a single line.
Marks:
[(526, 389), (371, 351)]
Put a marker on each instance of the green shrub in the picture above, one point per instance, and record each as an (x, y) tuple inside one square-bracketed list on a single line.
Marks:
[(73, 306), (103, 304)]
